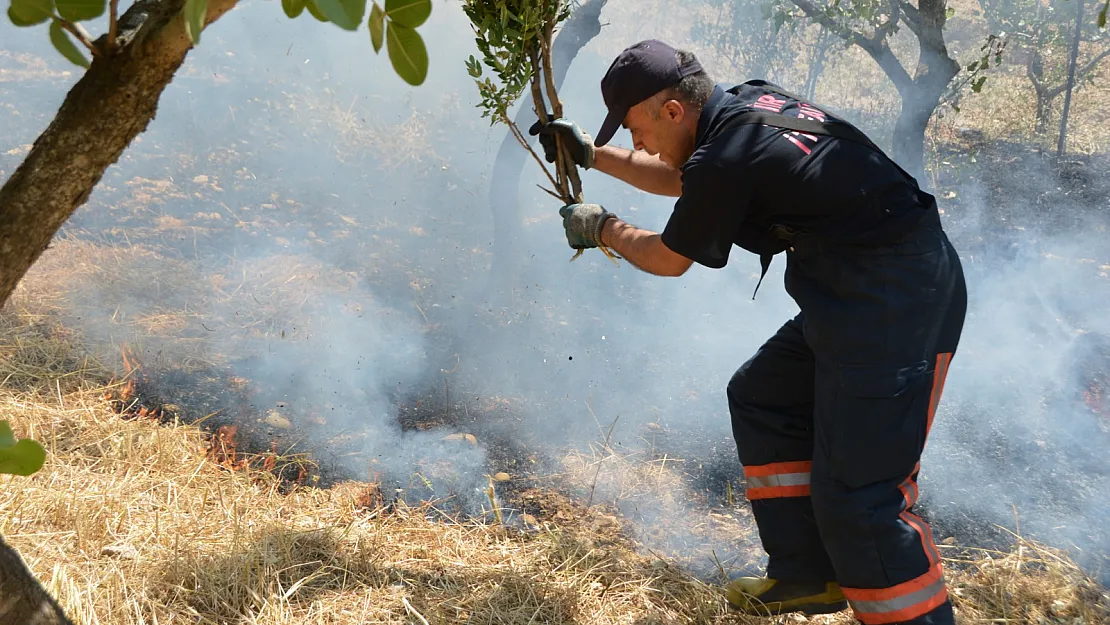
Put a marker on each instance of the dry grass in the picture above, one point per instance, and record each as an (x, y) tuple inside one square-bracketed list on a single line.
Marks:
[(130, 523), (1031, 584)]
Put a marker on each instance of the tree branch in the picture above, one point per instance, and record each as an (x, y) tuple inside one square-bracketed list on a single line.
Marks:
[(570, 170), (79, 34), (877, 46), (814, 13), (1090, 66), (911, 17), (892, 21), (1038, 84), (113, 25), (1050, 93)]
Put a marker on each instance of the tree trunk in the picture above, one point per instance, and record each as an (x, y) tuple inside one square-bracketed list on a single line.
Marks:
[(920, 98), (1061, 143), (108, 107), (1041, 123), (582, 26), (23, 600)]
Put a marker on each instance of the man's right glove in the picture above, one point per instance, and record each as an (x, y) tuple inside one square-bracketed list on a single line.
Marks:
[(579, 144)]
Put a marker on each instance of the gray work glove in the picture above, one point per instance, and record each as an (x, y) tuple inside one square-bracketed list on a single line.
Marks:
[(583, 224), (579, 144)]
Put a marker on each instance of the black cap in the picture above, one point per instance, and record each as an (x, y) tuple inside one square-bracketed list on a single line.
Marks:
[(639, 72)]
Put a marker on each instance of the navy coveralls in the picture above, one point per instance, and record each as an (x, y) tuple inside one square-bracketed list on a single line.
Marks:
[(831, 414)]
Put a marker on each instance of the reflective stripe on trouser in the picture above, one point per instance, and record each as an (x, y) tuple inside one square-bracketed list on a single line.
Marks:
[(903, 602), (779, 479)]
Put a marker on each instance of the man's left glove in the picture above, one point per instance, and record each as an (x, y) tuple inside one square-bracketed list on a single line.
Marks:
[(583, 223)]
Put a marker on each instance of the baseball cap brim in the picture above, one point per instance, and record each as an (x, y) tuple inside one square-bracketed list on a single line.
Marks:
[(610, 126)]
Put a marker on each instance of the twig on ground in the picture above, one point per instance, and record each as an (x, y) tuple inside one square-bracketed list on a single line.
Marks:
[(413, 612), (605, 445)]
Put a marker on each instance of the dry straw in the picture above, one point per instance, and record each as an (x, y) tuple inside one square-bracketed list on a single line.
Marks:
[(130, 522)]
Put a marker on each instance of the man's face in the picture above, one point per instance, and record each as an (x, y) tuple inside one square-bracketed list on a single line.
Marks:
[(664, 128)]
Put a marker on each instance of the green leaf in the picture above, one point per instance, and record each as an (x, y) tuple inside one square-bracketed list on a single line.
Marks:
[(292, 8), (30, 12), (62, 43), (1102, 14), (949, 13), (377, 27), (977, 84), (24, 458), (19, 458), (410, 13), (314, 10), (79, 10), (474, 67), (195, 11), (346, 14), (7, 436), (408, 53)]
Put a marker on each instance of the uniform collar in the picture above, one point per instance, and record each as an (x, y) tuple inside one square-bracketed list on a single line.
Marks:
[(709, 113)]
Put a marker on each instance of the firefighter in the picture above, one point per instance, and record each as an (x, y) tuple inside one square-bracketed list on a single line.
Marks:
[(831, 414)]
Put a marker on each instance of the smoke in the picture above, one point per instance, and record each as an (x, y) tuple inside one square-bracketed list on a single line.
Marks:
[(345, 277)]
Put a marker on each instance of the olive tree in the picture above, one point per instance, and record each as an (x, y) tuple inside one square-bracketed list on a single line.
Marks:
[(126, 70), (1043, 35)]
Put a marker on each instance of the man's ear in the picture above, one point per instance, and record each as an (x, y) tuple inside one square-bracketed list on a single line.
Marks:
[(674, 111)]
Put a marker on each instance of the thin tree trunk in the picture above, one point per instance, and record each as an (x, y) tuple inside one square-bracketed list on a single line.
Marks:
[(23, 600), (108, 107), (1041, 123), (935, 70), (1061, 143), (582, 26)]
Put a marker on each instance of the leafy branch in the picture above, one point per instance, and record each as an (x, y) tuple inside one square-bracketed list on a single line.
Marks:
[(394, 25), (514, 38)]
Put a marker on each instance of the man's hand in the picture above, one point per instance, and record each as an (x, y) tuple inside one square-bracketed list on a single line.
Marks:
[(579, 144), (583, 224)]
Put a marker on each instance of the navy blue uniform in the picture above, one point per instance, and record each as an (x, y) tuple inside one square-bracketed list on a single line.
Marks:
[(831, 414)]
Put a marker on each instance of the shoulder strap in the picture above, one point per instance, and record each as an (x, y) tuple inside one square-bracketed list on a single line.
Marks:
[(810, 126)]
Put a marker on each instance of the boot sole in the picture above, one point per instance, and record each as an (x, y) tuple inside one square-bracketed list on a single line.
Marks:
[(805, 608)]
